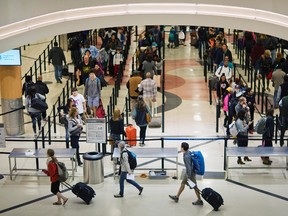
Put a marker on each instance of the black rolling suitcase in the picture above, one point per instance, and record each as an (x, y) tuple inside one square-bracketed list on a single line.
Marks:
[(82, 190), (212, 197)]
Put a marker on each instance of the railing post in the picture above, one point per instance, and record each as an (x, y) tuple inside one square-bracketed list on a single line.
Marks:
[(266, 103), (210, 92), (44, 59), (258, 99), (162, 159), (276, 128), (217, 117), (35, 67), (205, 67), (126, 110), (49, 130), (225, 146), (36, 147), (40, 64), (43, 137), (262, 100), (54, 118)]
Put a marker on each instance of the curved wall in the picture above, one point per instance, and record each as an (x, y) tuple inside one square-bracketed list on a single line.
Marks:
[(37, 19)]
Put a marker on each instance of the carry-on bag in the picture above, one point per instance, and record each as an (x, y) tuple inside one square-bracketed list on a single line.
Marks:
[(155, 121), (82, 190), (212, 197), (131, 135)]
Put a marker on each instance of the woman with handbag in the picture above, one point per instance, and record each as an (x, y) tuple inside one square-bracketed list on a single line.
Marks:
[(64, 117), (142, 116), (75, 128), (267, 136), (242, 137), (116, 129)]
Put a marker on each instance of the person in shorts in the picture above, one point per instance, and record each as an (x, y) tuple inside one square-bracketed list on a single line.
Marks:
[(93, 92), (190, 174)]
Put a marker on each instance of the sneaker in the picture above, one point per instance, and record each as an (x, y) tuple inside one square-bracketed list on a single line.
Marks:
[(175, 198), (140, 190), (118, 196), (198, 202)]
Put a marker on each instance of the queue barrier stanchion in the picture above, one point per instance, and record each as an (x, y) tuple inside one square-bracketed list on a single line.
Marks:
[(43, 137), (262, 100), (49, 130), (276, 128)]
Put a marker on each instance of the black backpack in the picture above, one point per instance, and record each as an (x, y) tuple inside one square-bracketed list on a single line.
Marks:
[(131, 159), (233, 101)]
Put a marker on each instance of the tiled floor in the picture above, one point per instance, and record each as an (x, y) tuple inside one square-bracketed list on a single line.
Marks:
[(251, 191)]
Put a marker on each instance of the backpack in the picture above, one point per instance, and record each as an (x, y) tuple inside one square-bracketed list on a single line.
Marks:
[(233, 101), (131, 159), (62, 172), (198, 162), (39, 104), (260, 126)]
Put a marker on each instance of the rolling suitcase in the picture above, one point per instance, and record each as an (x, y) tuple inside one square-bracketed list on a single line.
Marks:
[(212, 197), (131, 135), (82, 190)]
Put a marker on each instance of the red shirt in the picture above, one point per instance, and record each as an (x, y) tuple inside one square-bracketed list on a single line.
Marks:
[(52, 171)]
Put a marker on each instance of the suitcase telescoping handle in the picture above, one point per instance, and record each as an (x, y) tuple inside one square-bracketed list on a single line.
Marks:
[(67, 185)]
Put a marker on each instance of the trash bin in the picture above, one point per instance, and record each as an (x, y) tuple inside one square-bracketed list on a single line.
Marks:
[(93, 167)]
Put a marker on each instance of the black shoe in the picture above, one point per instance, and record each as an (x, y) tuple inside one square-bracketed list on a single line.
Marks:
[(140, 190), (175, 198), (80, 164), (60, 81), (118, 196)]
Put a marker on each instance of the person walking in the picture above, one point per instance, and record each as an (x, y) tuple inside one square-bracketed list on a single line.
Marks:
[(139, 114), (57, 56), (242, 137), (93, 92), (35, 114), (125, 170), (149, 88), (42, 89), (267, 136), (27, 85), (189, 175), (52, 171), (75, 127)]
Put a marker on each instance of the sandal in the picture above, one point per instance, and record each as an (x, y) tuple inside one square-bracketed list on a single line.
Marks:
[(57, 203), (64, 202)]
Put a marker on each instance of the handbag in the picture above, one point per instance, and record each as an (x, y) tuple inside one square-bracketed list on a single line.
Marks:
[(233, 129), (148, 118), (63, 120), (269, 75), (100, 112)]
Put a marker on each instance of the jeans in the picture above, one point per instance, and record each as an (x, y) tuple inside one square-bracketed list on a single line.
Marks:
[(121, 181), (58, 72), (275, 98), (67, 136), (35, 117), (142, 133)]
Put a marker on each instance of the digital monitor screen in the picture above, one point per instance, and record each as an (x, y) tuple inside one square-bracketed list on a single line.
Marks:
[(10, 58)]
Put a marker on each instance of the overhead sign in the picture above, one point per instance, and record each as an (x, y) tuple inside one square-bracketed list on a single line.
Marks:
[(10, 58), (96, 130)]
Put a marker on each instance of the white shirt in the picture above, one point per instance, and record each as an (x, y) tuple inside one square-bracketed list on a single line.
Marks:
[(78, 101), (224, 70)]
